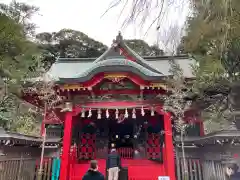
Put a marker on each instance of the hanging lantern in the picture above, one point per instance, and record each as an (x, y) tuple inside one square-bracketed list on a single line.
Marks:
[(152, 111), (117, 113), (99, 114), (83, 113), (107, 114), (134, 114), (126, 113), (142, 111), (90, 112)]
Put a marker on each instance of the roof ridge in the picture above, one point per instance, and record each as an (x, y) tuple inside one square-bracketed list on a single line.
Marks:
[(117, 46), (76, 59), (140, 59), (146, 58)]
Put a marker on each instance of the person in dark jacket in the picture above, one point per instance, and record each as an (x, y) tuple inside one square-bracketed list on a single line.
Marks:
[(93, 173), (113, 165), (235, 174)]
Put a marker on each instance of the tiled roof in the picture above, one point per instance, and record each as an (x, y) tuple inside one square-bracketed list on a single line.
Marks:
[(5, 135), (79, 69), (210, 138)]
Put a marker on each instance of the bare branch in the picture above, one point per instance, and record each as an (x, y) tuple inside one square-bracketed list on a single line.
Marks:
[(112, 5)]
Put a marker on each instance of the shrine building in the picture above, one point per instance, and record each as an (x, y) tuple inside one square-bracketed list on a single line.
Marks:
[(113, 100)]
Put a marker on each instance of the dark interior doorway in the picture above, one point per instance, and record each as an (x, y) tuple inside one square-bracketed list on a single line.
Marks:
[(121, 134)]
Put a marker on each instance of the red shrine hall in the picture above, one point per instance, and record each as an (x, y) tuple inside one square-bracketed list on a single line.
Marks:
[(115, 100)]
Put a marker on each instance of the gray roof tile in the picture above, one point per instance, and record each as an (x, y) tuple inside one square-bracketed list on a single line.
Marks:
[(76, 69), (113, 60)]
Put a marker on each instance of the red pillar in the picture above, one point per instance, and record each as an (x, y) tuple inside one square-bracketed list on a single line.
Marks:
[(169, 147), (201, 128), (67, 139)]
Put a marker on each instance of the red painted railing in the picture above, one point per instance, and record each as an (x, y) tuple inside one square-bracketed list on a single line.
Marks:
[(101, 153), (126, 153)]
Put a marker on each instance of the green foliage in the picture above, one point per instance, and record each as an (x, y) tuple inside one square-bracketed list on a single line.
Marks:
[(25, 123), (231, 59), (75, 44), (16, 51), (68, 43), (213, 36), (213, 39), (143, 49), (18, 60), (21, 13)]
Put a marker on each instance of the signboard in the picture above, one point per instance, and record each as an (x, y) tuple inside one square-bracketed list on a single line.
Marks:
[(163, 178)]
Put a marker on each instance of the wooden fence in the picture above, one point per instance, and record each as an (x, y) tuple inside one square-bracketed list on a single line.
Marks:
[(213, 170), (199, 170), (24, 169)]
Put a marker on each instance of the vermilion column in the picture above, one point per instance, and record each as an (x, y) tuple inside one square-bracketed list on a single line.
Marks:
[(67, 138), (201, 128), (169, 151)]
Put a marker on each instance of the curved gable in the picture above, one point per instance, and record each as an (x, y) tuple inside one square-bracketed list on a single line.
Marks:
[(119, 49), (118, 58), (110, 65)]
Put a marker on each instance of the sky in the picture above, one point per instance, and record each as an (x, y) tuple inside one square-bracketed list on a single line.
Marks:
[(87, 17)]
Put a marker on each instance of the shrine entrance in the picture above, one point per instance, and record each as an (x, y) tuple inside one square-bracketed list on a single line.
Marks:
[(137, 133), (121, 133), (115, 99)]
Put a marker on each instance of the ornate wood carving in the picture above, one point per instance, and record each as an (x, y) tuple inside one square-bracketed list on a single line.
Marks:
[(116, 79), (117, 97), (109, 76), (79, 99), (71, 87), (120, 79), (117, 84)]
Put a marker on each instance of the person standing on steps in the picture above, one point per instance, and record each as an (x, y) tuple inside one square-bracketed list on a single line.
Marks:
[(93, 173), (113, 164)]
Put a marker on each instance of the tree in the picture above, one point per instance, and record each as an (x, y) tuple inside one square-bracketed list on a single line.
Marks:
[(177, 103), (213, 31), (21, 13), (143, 49), (213, 39), (144, 12), (17, 60), (43, 89), (154, 15), (75, 44), (68, 43), (213, 34)]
